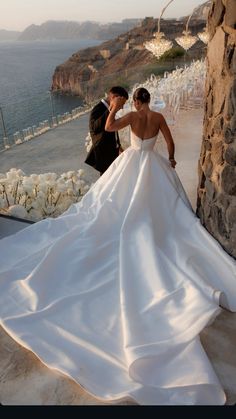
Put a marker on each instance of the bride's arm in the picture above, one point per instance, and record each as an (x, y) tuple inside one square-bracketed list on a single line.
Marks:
[(169, 140), (113, 124)]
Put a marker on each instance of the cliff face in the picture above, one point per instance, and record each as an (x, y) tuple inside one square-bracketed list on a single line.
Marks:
[(216, 204), (93, 70)]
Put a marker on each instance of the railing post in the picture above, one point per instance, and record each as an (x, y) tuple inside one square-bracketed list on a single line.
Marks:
[(52, 107), (5, 138)]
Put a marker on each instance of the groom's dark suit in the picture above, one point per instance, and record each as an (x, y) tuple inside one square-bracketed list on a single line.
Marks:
[(106, 144)]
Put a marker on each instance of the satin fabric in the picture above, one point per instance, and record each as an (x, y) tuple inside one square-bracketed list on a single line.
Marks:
[(115, 291)]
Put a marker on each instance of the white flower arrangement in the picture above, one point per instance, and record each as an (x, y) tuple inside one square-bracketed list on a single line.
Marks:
[(88, 142), (40, 196)]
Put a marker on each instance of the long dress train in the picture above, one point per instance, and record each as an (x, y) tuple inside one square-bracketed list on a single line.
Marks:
[(115, 291)]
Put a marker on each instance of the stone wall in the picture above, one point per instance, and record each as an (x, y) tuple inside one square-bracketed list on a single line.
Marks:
[(216, 205)]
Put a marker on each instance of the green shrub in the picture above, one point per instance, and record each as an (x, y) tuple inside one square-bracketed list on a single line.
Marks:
[(173, 53)]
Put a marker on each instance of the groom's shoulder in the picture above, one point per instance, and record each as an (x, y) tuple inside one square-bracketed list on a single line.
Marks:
[(99, 107)]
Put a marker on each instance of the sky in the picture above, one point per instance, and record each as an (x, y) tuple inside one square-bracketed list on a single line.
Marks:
[(18, 14)]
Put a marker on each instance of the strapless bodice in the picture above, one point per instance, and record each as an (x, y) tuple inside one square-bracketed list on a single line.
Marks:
[(144, 145)]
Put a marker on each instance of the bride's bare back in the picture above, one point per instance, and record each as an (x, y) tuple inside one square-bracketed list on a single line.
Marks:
[(144, 123)]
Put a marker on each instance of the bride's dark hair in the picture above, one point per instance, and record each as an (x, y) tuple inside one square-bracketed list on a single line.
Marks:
[(142, 94)]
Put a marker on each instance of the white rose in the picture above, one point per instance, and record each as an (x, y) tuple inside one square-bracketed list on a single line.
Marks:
[(43, 187), (4, 181), (22, 200), (69, 184), (3, 203), (86, 188), (42, 177), (41, 195), (35, 215), (10, 199), (61, 187), (18, 211), (70, 192), (79, 184), (36, 204), (80, 173), (50, 177), (27, 185), (66, 203), (20, 172), (34, 178), (71, 174), (88, 148), (49, 209), (11, 176)]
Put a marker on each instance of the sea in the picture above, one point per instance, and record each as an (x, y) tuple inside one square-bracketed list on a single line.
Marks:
[(26, 70)]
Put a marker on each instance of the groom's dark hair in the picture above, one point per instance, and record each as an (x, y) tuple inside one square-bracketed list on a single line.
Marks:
[(118, 90)]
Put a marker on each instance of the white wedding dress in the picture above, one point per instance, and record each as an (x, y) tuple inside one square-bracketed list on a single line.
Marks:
[(115, 291)]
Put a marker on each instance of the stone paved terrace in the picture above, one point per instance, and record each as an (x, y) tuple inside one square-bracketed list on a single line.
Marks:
[(24, 380)]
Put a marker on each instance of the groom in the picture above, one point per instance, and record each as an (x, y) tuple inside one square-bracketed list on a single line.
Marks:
[(105, 145)]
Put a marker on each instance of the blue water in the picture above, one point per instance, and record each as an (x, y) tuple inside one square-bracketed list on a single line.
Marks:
[(26, 70)]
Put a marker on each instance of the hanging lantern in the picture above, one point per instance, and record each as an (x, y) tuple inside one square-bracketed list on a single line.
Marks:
[(187, 40), (204, 36), (159, 45)]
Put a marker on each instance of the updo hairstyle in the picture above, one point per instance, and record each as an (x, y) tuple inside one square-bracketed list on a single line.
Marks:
[(142, 94)]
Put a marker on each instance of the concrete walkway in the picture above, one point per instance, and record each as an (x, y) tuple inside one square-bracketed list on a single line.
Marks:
[(24, 380), (58, 150)]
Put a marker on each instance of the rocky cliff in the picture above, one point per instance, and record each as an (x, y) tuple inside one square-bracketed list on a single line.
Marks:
[(216, 204), (89, 72)]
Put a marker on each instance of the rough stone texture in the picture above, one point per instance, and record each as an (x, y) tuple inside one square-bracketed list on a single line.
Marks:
[(216, 205)]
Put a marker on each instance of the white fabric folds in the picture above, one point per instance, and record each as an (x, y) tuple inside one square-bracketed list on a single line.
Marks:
[(115, 292)]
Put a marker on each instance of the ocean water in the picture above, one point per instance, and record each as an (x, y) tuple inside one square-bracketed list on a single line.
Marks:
[(26, 70)]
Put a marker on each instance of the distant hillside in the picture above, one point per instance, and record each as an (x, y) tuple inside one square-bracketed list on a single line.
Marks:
[(9, 35), (74, 30), (201, 12), (89, 72)]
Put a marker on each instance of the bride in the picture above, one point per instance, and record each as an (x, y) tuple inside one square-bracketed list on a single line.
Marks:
[(115, 291)]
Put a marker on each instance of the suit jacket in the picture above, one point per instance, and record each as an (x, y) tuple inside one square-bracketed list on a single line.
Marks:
[(105, 145)]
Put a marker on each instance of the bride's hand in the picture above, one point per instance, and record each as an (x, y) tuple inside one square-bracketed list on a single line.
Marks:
[(173, 163)]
